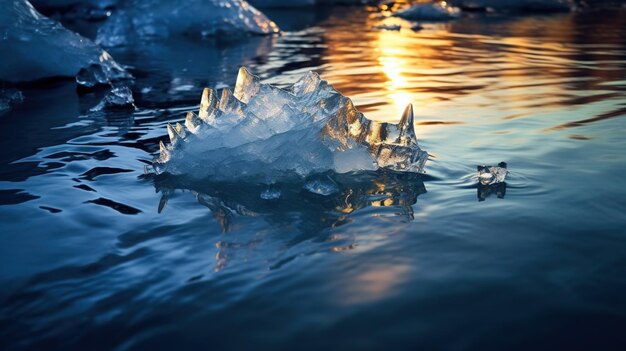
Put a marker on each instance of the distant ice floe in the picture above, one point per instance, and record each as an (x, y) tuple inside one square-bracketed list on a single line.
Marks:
[(35, 47), (142, 20), (266, 133), (516, 5), (438, 11)]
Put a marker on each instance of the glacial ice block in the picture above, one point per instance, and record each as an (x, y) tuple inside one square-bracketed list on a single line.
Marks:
[(34, 46), (268, 133), (488, 175), (440, 11), (144, 20)]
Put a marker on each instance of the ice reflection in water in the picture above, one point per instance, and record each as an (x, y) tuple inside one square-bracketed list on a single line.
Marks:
[(319, 216)]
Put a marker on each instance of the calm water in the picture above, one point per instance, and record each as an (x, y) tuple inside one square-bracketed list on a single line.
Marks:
[(96, 256)]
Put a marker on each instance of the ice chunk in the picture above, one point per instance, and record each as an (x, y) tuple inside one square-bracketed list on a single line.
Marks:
[(141, 20), (440, 11), (119, 98), (394, 27), (34, 46), (270, 194), (321, 186), (263, 131), (10, 97), (492, 174)]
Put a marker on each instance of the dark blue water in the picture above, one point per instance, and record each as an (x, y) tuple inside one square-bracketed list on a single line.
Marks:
[(95, 255)]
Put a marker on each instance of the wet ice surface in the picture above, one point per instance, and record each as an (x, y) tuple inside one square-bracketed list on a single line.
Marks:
[(140, 20), (259, 130), (36, 47), (97, 255)]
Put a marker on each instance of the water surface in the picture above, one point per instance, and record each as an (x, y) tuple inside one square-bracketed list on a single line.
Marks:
[(95, 255)]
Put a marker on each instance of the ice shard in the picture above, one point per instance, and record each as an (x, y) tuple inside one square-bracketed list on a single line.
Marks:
[(144, 20), (34, 47), (488, 175), (264, 132)]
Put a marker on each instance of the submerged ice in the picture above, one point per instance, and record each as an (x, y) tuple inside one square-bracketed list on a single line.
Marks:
[(259, 130), (34, 47)]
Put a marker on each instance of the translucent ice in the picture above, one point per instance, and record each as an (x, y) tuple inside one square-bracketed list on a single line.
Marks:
[(116, 99), (9, 97), (263, 131), (141, 20), (34, 46), (492, 174), (323, 185), (429, 12)]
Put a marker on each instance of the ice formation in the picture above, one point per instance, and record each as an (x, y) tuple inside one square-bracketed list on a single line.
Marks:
[(517, 5), (10, 97), (118, 98), (262, 131), (440, 11), (141, 20), (488, 175), (34, 47)]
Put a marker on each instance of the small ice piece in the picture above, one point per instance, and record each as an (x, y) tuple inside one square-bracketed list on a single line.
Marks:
[(416, 27), (393, 27), (258, 130), (492, 174), (271, 194), (321, 186), (440, 11), (34, 47), (119, 98), (10, 97), (146, 20)]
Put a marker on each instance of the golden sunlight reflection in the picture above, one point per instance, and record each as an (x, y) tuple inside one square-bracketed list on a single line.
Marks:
[(373, 284), (400, 57)]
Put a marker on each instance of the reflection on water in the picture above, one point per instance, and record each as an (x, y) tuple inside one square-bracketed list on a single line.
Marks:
[(93, 258), (483, 191)]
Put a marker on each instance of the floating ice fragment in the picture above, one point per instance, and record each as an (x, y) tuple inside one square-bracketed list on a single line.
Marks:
[(143, 20), (34, 47), (440, 11), (263, 131), (416, 27), (393, 27), (492, 174), (119, 98), (10, 97), (321, 186), (270, 194)]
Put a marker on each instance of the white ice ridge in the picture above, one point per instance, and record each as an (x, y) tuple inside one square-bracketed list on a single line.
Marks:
[(143, 20), (33, 46), (263, 131)]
